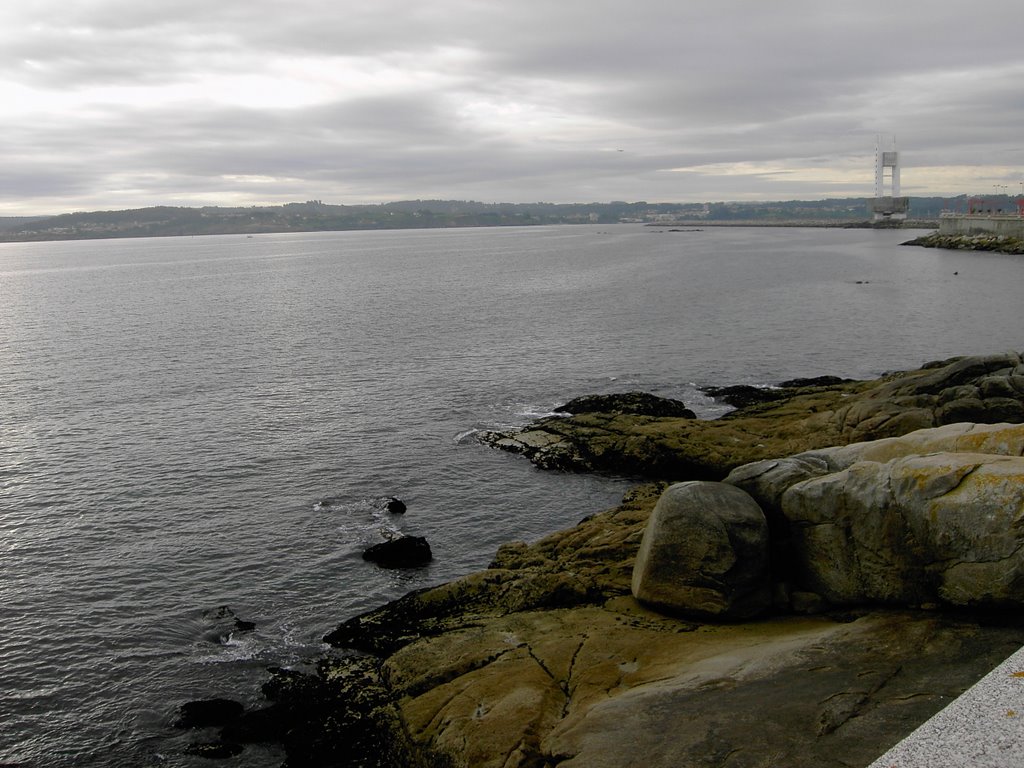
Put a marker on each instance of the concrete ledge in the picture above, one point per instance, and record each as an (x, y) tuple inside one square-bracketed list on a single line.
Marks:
[(983, 728), (1005, 225)]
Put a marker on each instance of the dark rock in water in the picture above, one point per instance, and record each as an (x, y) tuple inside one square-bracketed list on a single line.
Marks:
[(341, 716), (216, 750), (396, 506), (815, 381), (206, 713), (402, 552), (744, 395), (259, 725), (635, 403), (289, 685), (224, 623)]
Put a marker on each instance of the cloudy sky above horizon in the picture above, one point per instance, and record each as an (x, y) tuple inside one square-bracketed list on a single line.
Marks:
[(110, 104)]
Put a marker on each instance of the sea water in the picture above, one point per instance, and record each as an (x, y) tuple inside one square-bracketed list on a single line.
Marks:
[(191, 423)]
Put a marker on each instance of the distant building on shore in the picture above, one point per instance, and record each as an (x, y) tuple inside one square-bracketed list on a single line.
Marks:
[(986, 216)]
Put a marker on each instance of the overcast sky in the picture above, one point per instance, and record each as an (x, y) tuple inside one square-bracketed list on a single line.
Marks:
[(110, 104)]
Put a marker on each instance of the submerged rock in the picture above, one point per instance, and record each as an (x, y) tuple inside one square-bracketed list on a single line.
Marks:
[(223, 624), (396, 506), (214, 750), (339, 715), (400, 552), (745, 395), (204, 713)]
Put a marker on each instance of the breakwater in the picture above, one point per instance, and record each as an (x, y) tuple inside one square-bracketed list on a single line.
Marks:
[(981, 241)]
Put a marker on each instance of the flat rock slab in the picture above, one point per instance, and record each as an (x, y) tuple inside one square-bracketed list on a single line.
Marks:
[(618, 686)]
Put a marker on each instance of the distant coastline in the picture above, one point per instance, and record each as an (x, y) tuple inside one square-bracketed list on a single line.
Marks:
[(817, 223), (316, 216)]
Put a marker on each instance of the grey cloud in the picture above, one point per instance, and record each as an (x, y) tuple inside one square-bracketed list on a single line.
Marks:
[(790, 85), (19, 181)]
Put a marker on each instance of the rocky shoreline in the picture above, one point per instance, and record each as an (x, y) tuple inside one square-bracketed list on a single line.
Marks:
[(979, 242), (871, 534)]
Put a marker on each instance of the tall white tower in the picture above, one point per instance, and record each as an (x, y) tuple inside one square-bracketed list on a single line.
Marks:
[(887, 159), (888, 207)]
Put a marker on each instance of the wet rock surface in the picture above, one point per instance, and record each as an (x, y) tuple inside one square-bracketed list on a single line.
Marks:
[(208, 712), (984, 390), (222, 624), (637, 403), (400, 552)]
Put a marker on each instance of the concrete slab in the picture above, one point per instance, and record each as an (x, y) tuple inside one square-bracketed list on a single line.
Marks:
[(983, 728)]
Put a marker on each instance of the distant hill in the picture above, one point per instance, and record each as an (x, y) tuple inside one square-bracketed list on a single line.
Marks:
[(314, 215), (15, 222)]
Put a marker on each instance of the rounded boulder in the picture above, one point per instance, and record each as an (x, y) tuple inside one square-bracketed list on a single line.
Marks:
[(705, 553)]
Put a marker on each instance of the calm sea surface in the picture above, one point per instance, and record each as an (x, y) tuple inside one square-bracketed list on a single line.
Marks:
[(189, 423)]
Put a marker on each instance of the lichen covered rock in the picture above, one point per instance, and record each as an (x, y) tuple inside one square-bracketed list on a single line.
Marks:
[(936, 516), (943, 528)]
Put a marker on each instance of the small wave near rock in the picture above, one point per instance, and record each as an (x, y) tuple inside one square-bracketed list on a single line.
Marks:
[(222, 625)]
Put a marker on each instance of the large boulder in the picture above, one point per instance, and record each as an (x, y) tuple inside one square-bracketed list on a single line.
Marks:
[(704, 553), (943, 528), (936, 516), (767, 480)]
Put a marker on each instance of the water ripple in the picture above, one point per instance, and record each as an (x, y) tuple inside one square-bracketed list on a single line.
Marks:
[(189, 423)]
